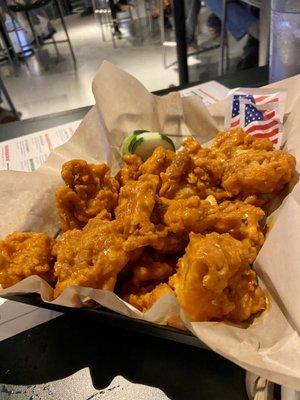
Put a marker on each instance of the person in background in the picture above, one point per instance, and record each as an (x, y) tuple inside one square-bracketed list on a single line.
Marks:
[(192, 23), (167, 9), (241, 20)]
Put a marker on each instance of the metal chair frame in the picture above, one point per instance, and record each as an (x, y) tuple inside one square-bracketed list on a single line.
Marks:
[(6, 42), (104, 17), (52, 40), (9, 100), (224, 50)]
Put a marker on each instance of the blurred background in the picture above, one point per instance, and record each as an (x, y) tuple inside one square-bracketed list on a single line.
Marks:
[(50, 50)]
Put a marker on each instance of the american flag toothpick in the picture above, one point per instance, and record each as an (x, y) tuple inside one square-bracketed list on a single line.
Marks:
[(258, 115)]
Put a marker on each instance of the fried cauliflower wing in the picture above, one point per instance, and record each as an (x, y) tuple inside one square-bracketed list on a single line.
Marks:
[(194, 171), (23, 254), (214, 280), (207, 165), (146, 272), (251, 166), (206, 176), (192, 146), (200, 216), (96, 255), (232, 142), (88, 190), (174, 179), (136, 203), (258, 171), (158, 162), (188, 215), (146, 279), (181, 222), (144, 300), (149, 272), (130, 170), (244, 221), (92, 257)]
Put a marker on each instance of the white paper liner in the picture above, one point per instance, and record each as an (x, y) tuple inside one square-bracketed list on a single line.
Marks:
[(270, 347)]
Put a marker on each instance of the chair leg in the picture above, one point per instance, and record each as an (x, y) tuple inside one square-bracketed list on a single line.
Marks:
[(147, 6), (9, 50), (107, 23), (9, 100), (162, 32), (107, 17), (112, 22), (102, 22), (139, 21), (223, 38), (199, 22), (16, 28), (113, 36), (133, 27), (10, 59), (264, 32), (56, 49), (227, 59), (98, 12), (36, 39), (165, 60), (18, 38), (66, 31), (151, 27)]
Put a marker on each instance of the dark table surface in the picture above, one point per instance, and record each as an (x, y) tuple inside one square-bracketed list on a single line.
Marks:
[(60, 347), (35, 362)]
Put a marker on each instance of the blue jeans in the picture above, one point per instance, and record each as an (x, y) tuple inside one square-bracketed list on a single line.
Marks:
[(192, 20), (239, 16)]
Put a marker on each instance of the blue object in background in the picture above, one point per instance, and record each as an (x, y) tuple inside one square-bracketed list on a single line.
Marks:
[(239, 17)]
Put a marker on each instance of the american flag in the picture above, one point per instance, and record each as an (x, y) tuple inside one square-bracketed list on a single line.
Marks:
[(257, 115)]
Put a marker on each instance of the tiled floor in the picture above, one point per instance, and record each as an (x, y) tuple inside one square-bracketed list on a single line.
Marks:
[(45, 86)]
